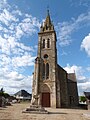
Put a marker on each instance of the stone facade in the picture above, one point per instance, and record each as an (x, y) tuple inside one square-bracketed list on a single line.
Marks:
[(72, 90), (51, 83)]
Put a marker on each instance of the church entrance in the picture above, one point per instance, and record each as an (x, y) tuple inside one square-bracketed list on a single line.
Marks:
[(45, 97)]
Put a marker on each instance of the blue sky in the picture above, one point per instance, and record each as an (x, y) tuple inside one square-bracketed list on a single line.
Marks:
[(20, 21)]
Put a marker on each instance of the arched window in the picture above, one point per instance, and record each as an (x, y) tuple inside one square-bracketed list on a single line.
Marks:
[(43, 71), (43, 45), (47, 70), (48, 43)]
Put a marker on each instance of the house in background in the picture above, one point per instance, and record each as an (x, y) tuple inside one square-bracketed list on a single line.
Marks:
[(87, 95), (22, 95)]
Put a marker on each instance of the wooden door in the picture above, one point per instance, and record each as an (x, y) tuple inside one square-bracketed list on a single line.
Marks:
[(46, 99)]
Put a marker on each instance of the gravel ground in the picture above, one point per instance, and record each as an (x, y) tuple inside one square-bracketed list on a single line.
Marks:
[(14, 112)]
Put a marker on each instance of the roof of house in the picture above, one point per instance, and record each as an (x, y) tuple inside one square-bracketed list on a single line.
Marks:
[(87, 94), (22, 93)]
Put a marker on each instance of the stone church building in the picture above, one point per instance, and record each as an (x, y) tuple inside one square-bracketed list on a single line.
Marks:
[(52, 85)]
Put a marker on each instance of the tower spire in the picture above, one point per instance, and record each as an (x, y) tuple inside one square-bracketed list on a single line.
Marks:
[(48, 26)]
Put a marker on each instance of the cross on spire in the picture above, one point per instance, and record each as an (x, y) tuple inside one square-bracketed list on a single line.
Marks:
[(48, 10)]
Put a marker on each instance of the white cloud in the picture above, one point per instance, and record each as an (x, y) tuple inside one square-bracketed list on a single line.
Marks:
[(63, 33), (15, 55), (84, 87), (15, 29), (65, 29), (88, 68), (25, 60), (4, 4), (76, 3), (13, 81), (6, 17), (86, 44), (27, 26)]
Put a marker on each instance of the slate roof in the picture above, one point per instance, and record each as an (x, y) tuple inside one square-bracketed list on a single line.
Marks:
[(22, 93), (87, 94)]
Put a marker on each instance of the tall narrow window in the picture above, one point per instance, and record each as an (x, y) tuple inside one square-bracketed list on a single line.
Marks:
[(48, 43), (43, 43), (43, 71), (47, 70)]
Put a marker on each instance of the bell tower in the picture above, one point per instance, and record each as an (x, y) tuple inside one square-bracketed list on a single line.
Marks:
[(52, 85), (44, 77)]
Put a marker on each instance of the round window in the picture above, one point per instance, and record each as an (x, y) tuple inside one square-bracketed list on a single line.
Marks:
[(45, 56)]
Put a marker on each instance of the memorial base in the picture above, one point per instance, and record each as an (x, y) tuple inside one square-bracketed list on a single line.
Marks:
[(35, 109)]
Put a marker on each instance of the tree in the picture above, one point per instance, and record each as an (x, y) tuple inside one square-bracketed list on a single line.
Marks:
[(82, 98), (2, 91)]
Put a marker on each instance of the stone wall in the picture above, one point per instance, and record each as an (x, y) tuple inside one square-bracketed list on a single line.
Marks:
[(62, 78), (72, 93)]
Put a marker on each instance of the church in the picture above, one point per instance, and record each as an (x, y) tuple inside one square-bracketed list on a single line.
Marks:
[(52, 86)]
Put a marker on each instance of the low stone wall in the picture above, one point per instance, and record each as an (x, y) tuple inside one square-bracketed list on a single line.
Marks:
[(83, 106)]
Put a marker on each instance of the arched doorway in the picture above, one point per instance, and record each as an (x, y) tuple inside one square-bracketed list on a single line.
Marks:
[(45, 100)]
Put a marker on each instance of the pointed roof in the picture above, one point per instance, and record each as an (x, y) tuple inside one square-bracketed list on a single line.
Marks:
[(48, 19), (47, 26), (22, 93)]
